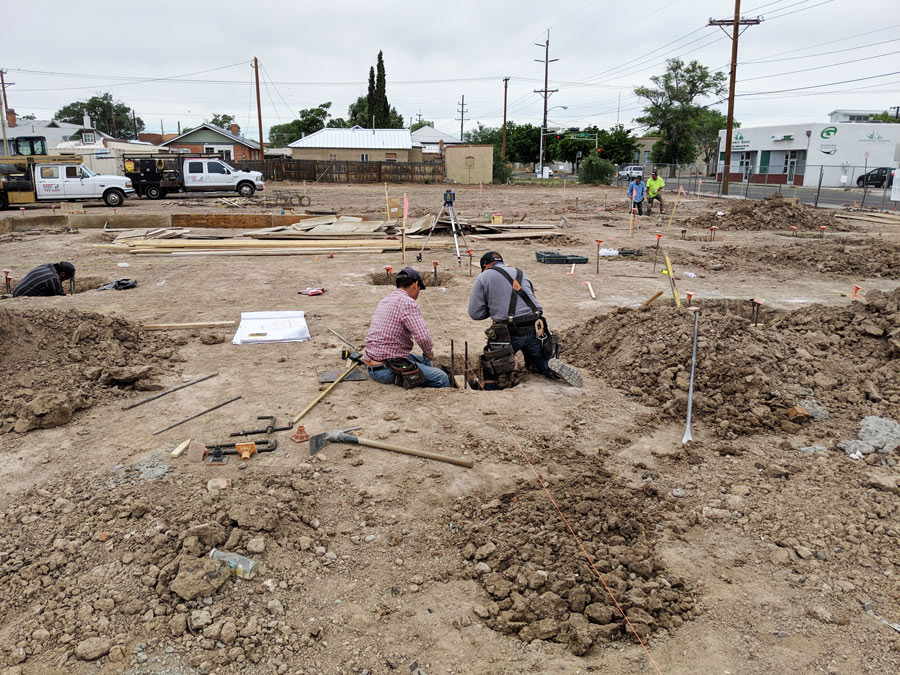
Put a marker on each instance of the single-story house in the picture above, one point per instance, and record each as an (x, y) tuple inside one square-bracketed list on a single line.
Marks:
[(206, 138), (357, 145), (430, 139)]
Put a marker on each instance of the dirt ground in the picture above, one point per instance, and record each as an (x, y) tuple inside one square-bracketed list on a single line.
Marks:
[(761, 547)]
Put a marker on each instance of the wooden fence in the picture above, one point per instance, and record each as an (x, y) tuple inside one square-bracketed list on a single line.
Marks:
[(312, 170)]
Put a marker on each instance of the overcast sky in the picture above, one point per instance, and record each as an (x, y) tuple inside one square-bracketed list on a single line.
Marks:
[(437, 52)]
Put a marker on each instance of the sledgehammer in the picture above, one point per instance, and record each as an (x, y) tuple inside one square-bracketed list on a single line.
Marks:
[(319, 441)]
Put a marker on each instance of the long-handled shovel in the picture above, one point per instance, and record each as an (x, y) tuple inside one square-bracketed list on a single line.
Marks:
[(319, 441), (687, 428)]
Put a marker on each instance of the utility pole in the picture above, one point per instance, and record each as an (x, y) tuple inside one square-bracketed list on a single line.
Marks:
[(736, 23), (462, 115), (419, 116), (503, 147), (618, 108), (134, 119), (545, 92), (4, 106), (262, 154), (896, 109)]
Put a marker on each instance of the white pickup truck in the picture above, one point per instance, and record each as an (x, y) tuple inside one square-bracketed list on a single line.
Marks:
[(155, 176), (26, 180)]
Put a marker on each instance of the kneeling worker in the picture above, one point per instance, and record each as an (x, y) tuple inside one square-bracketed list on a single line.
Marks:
[(45, 280), (398, 322), (506, 295)]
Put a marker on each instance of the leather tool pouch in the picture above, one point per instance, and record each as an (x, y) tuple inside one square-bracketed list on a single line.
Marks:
[(498, 361), (406, 373), (498, 332)]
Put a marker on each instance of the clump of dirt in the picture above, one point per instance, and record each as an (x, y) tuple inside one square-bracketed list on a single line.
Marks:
[(541, 585), (860, 258), (83, 284), (88, 568), (556, 240), (748, 377), (772, 213), (383, 279), (55, 363)]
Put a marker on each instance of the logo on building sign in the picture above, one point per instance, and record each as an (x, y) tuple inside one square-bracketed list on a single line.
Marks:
[(874, 137), (739, 143), (828, 132)]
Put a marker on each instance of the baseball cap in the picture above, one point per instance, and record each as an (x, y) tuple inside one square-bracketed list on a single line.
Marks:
[(653, 173), (408, 273), (65, 267), (490, 257)]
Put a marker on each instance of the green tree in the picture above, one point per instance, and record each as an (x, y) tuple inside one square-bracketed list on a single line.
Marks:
[(673, 109), (310, 120), (367, 113), (382, 110), (617, 145), (221, 121), (709, 123), (421, 123), (358, 113), (29, 116), (107, 115), (522, 142), (880, 117), (596, 170)]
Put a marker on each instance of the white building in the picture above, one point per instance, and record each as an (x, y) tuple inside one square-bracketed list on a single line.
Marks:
[(798, 154), (840, 116)]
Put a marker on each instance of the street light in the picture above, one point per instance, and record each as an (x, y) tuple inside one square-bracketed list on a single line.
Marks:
[(543, 132)]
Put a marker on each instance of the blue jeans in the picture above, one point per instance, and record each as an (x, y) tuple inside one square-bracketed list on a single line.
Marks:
[(530, 347), (434, 377)]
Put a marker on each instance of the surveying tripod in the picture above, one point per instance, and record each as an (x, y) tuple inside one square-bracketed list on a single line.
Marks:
[(449, 197)]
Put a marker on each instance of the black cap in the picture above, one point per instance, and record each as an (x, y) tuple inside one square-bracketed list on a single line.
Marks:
[(66, 268), (407, 275), (653, 173), (490, 257)]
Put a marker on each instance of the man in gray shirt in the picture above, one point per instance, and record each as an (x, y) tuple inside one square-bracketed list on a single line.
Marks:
[(506, 296)]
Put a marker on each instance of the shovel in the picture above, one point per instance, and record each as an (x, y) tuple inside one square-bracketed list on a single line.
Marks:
[(687, 438), (319, 441)]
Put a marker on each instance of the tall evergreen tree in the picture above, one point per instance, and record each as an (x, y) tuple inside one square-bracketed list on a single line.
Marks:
[(382, 108), (370, 98)]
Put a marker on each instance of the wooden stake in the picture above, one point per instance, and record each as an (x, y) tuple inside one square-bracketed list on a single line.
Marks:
[(323, 394), (672, 281), (646, 303), (672, 215), (180, 326)]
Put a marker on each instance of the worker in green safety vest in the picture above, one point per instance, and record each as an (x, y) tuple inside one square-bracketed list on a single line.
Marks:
[(654, 192)]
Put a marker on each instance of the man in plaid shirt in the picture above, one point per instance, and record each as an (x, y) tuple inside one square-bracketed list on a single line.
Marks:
[(396, 324)]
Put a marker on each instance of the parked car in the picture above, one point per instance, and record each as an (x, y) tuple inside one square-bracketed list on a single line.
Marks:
[(880, 177), (632, 171), (548, 172)]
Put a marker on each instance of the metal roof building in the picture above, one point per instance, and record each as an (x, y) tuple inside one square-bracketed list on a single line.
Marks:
[(357, 138)]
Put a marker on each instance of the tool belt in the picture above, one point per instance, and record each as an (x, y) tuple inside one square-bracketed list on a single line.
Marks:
[(407, 374)]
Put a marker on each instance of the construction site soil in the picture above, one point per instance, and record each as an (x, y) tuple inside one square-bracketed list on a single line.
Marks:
[(769, 544), (774, 212)]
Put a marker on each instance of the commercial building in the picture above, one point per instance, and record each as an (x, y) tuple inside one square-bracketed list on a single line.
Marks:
[(802, 154)]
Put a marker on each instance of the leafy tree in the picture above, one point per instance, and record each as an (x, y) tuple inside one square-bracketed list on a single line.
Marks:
[(617, 145), (421, 123), (382, 110), (596, 170), (880, 117), (310, 120), (709, 123), (109, 116), (338, 123), (522, 142), (358, 112), (29, 116), (221, 121), (672, 108), (369, 110)]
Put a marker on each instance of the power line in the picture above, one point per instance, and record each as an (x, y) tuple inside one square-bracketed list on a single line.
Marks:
[(831, 65), (809, 56), (802, 9), (816, 86)]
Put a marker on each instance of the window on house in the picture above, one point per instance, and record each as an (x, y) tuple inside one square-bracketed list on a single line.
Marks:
[(49, 172), (72, 172), (364, 157), (87, 137), (332, 156), (646, 156), (195, 167), (390, 157)]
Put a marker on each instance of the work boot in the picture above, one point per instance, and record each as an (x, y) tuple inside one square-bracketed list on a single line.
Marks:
[(565, 372)]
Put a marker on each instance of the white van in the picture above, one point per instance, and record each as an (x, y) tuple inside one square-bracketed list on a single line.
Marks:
[(632, 171)]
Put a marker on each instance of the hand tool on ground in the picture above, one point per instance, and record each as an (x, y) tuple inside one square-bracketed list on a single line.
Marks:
[(9, 280), (671, 276), (319, 441), (270, 427), (167, 391), (656, 256), (599, 241), (343, 339), (312, 291), (244, 449), (755, 304), (590, 288), (356, 357), (203, 412), (646, 303), (687, 429)]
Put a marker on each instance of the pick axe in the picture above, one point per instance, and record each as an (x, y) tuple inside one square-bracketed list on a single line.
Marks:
[(319, 441)]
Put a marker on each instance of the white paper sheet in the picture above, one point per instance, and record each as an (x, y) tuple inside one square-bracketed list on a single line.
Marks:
[(262, 327)]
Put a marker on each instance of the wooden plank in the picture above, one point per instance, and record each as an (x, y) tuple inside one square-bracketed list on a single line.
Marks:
[(179, 326), (181, 448), (529, 234)]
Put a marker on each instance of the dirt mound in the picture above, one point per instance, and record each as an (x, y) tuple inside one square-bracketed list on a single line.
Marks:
[(55, 363), (772, 213), (542, 586), (748, 377), (90, 568), (860, 258)]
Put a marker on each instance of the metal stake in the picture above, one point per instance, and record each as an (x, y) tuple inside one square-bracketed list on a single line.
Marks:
[(687, 438), (452, 365)]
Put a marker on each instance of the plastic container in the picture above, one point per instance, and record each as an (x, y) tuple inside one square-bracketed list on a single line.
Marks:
[(554, 258), (240, 566)]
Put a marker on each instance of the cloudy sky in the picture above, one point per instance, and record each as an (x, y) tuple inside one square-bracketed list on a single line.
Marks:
[(180, 62)]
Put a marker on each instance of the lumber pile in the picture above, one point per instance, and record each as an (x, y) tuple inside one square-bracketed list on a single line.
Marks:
[(869, 217)]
